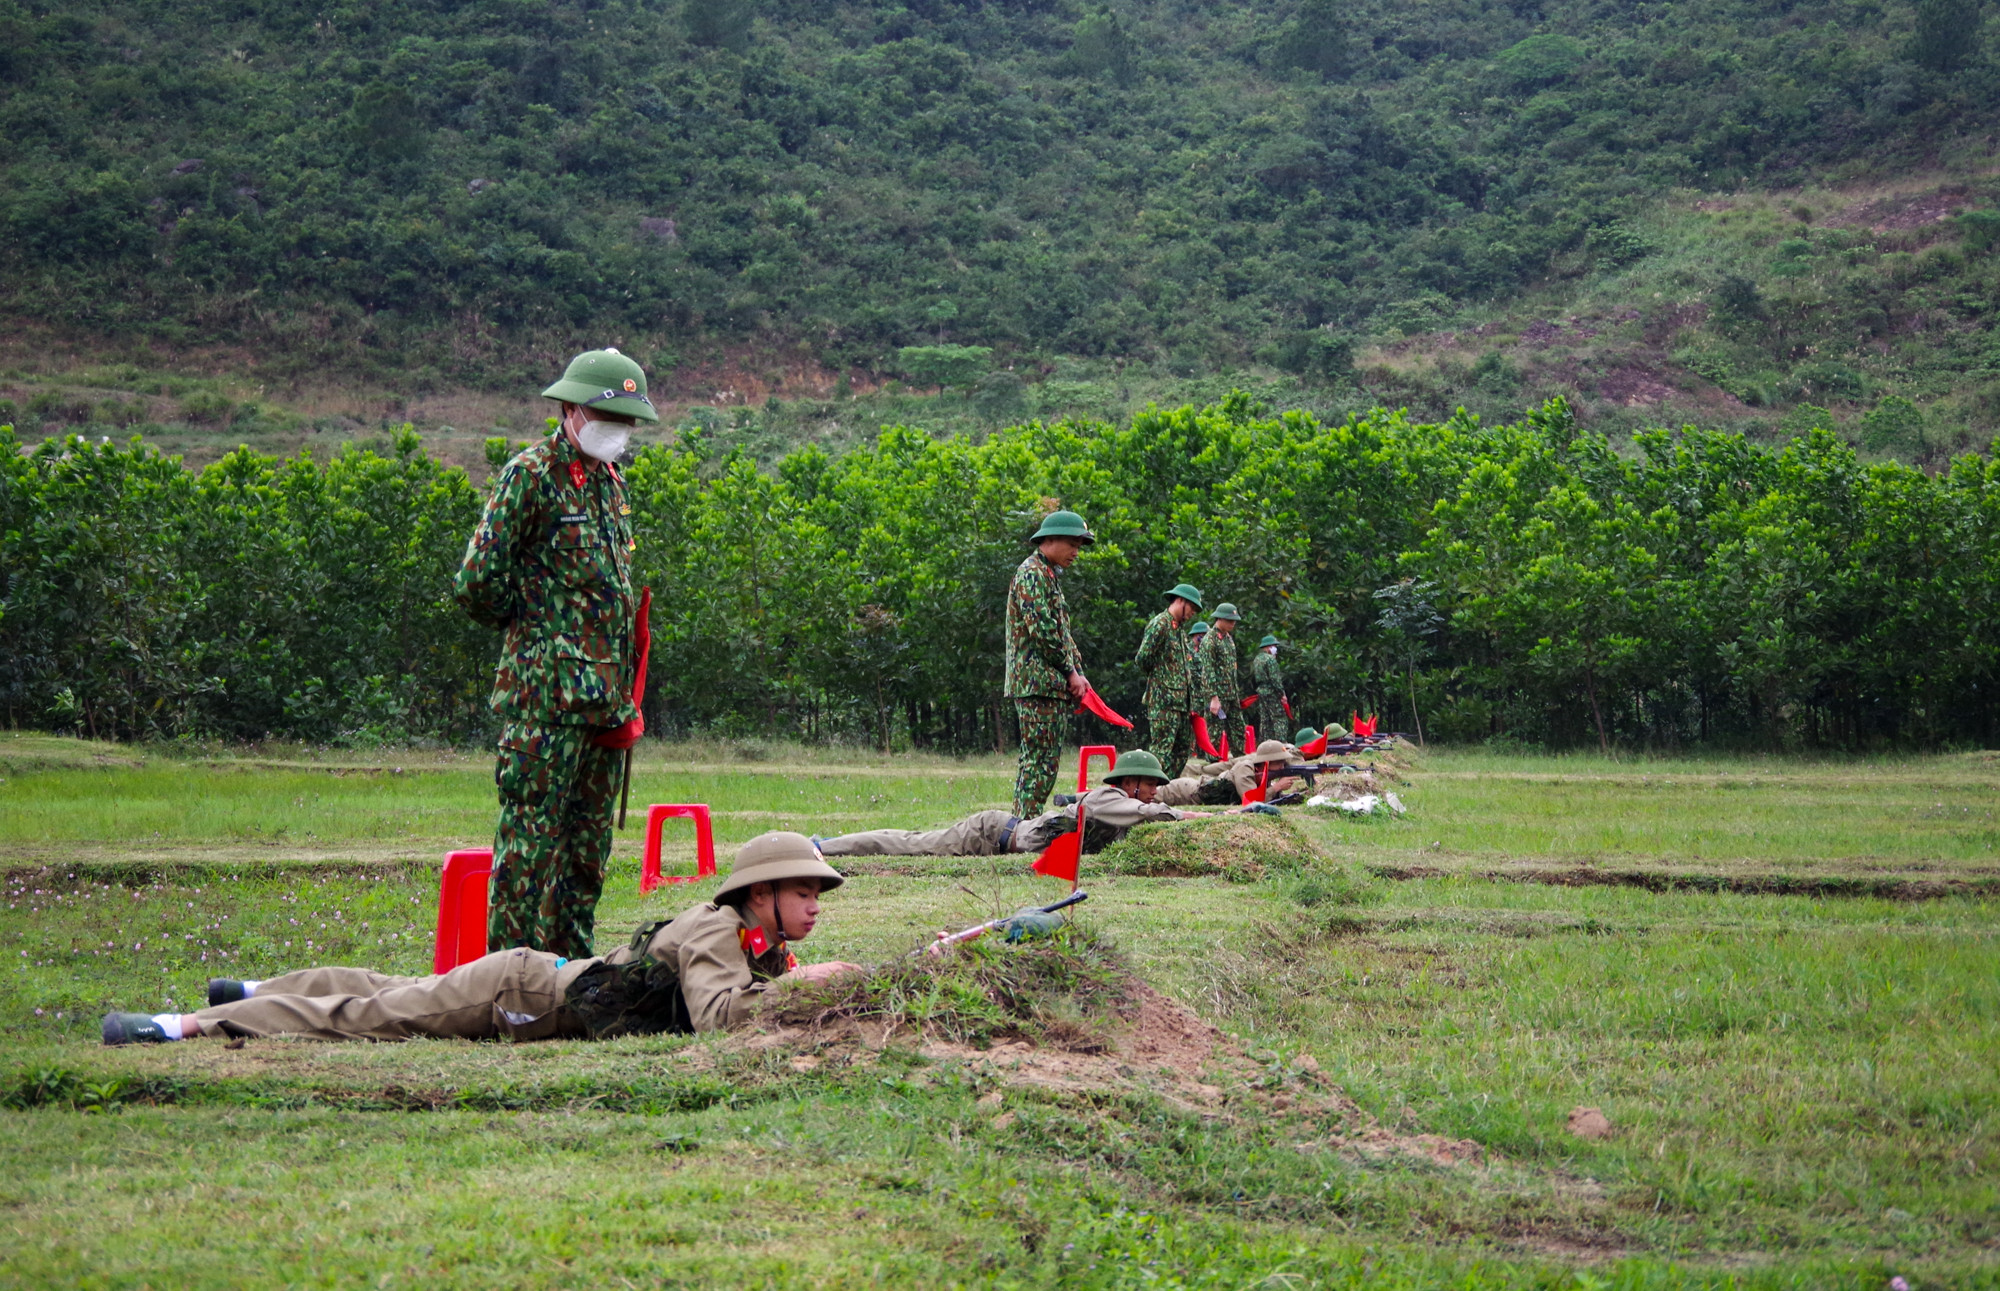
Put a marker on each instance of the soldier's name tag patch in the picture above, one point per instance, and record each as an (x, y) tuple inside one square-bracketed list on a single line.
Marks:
[(578, 519)]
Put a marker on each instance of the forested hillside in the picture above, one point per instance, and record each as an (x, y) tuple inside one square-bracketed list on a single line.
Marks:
[(458, 193)]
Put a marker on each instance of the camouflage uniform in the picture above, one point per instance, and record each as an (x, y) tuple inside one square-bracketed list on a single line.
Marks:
[(1270, 685), (1218, 675), (551, 565), (1167, 660), (1041, 655)]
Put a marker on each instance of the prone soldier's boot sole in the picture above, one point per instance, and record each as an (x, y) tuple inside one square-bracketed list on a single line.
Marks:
[(132, 1028)]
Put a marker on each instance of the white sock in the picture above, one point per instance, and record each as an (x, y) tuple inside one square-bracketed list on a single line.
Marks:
[(250, 989), (169, 1023)]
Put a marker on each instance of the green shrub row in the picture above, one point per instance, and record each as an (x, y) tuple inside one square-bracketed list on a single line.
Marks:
[(1524, 583)]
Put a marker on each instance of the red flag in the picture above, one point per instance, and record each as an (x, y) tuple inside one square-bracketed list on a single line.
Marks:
[(1222, 746), (624, 737), (1315, 748), (1288, 708), (1263, 786), (1248, 700), (1093, 703), (1201, 735), (1249, 737), (1061, 859)]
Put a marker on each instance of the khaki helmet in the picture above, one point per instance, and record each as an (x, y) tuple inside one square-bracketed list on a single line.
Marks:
[(1137, 762), (1270, 751), (775, 857), (1064, 524), (607, 380)]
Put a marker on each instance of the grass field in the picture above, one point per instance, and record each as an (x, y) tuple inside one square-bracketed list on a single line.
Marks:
[(1779, 979)]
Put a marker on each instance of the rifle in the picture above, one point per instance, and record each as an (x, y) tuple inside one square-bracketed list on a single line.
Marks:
[(946, 940)]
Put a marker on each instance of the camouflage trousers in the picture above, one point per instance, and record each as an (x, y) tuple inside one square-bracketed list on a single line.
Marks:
[(1230, 724), (556, 794), (1172, 736), (1272, 724), (1044, 729)]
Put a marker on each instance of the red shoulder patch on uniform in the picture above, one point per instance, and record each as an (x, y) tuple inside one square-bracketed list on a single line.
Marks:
[(576, 474), (753, 940)]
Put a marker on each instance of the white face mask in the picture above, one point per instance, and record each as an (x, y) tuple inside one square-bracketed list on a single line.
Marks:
[(603, 440)]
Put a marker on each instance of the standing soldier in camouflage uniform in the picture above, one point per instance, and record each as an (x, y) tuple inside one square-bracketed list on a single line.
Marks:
[(1167, 660), (1218, 678), (551, 564), (1270, 683), (1044, 669)]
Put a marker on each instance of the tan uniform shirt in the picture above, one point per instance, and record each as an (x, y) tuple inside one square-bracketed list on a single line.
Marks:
[(1105, 807), (720, 979)]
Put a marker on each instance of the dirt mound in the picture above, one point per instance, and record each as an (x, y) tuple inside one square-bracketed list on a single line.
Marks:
[(1143, 1042), (1241, 848)]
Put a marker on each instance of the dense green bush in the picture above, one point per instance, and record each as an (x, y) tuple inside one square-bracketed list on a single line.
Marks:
[(1695, 588)]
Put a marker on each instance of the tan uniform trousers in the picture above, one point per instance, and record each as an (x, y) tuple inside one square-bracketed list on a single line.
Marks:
[(513, 993), (977, 835)]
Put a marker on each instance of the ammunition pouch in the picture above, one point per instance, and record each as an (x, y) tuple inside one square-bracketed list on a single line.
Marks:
[(641, 996)]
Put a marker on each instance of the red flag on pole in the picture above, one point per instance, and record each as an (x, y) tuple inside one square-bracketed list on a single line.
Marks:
[(1201, 739), (1063, 858), (624, 737), (1315, 748)]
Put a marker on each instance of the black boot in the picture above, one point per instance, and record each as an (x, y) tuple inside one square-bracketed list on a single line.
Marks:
[(132, 1028)]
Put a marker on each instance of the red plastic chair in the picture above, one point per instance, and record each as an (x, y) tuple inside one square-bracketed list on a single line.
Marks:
[(1106, 751), (657, 815), (461, 926)]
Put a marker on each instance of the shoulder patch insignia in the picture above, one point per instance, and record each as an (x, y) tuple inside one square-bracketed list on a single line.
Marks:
[(753, 940), (576, 474)]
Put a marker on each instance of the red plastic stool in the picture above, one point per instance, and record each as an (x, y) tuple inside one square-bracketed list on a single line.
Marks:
[(704, 844), (461, 930), (1106, 751)]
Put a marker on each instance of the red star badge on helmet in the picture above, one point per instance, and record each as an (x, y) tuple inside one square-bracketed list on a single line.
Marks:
[(630, 385)]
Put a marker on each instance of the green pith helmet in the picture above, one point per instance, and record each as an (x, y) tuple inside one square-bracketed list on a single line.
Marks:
[(1064, 524), (1198, 628), (1187, 592), (1137, 762), (605, 379), (1268, 640), (777, 856), (1226, 611), (1306, 735)]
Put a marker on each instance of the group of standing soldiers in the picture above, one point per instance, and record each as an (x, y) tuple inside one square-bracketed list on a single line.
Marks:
[(1193, 678)]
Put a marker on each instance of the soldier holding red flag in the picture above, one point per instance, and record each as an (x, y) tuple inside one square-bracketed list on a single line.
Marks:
[(1044, 668), (551, 565)]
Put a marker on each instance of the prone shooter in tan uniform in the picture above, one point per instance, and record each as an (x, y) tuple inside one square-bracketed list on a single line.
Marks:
[(704, 971), (1226, 782), (1126, 799)]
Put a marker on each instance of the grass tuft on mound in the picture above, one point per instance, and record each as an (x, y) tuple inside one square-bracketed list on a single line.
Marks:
[(1059, 991), (1242, 849)]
